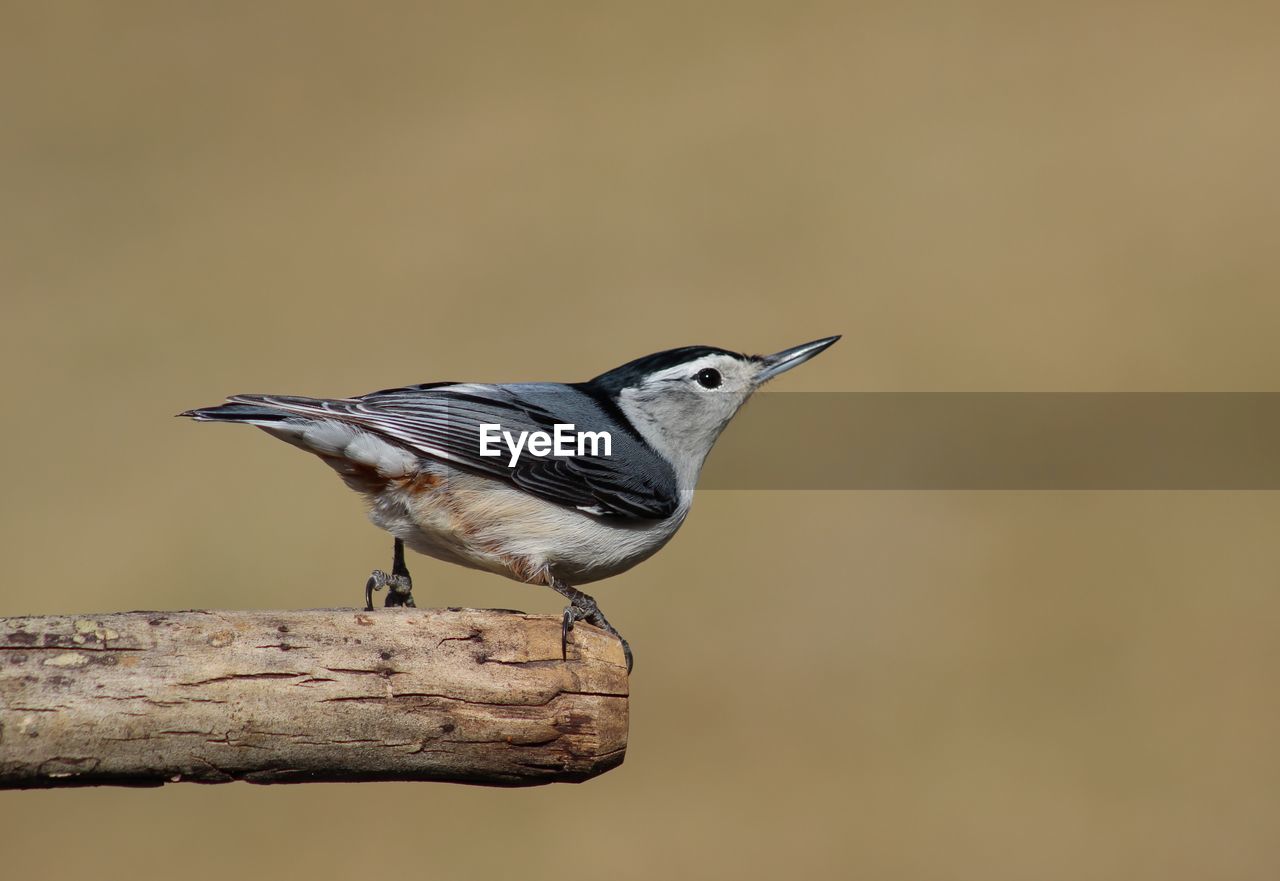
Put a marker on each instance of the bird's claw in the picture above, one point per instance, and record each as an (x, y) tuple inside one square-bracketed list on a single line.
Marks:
[(566, 627), (586, 610), (626, 652), (399, 589)]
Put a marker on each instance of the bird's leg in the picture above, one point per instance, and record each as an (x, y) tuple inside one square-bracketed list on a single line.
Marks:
[(399, 584), (583, 608)]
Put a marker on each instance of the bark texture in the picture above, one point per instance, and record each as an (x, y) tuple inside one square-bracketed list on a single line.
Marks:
[(465, 695)]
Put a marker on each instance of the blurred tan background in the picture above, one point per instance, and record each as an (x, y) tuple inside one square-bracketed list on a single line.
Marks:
[(201, 199)]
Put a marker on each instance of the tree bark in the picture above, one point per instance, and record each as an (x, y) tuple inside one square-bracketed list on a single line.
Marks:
[(464, 695)]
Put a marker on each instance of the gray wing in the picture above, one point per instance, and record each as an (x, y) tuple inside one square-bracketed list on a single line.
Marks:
[(442, 422)]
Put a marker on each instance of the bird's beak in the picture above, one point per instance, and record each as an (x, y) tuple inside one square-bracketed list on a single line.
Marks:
[(781, 362)]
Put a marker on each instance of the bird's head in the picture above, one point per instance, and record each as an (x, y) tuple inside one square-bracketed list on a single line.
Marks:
[(681, 399)]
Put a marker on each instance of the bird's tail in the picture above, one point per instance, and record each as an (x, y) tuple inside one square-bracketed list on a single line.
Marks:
[(364, 460), (236, 411)]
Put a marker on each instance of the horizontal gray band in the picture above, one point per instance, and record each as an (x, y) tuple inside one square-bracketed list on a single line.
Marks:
[(1001, 441)]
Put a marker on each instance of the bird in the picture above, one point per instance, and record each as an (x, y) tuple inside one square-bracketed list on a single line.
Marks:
[(460, 471)]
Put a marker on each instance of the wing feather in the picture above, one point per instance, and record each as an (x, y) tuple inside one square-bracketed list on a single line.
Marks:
[(442, 423)]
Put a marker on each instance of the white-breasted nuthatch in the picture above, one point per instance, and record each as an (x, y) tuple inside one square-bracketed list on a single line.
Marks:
[(424, 456)]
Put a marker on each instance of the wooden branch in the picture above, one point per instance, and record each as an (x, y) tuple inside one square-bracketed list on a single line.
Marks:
[(142, 698)]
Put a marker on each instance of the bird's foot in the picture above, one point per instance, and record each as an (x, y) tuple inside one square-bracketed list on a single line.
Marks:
[(399, 589), (584, 608)]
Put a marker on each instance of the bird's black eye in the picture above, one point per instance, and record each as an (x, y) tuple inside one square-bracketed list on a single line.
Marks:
[(708, 378)]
